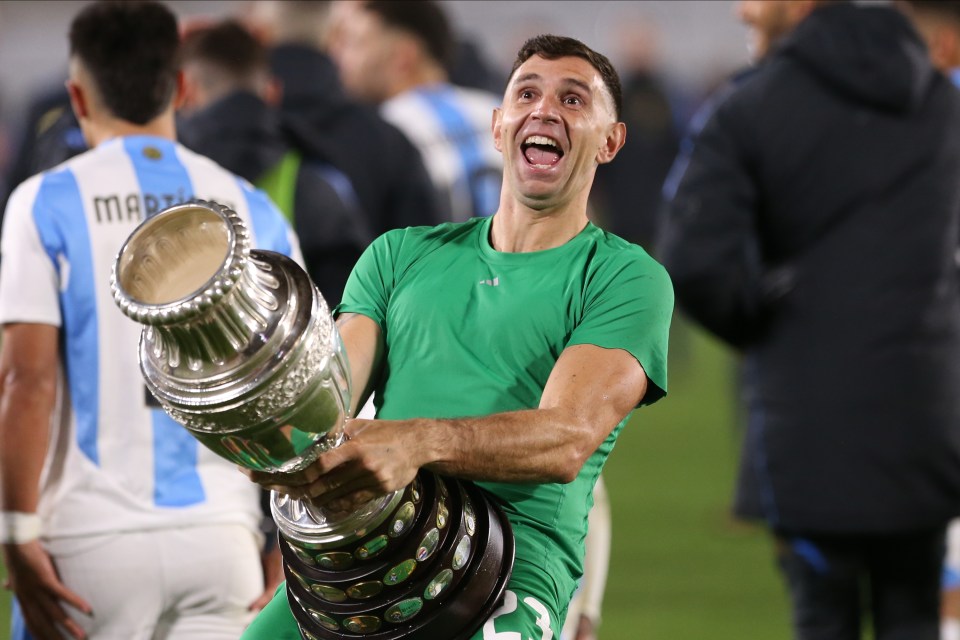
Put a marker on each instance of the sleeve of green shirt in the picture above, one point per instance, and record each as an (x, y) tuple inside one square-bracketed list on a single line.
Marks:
[(629, 306), (372, 280)]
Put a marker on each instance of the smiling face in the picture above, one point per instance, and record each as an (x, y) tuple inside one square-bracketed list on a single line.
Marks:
[(557, 123)]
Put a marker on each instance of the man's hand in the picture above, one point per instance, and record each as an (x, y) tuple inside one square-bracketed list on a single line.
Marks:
[(272, 563), (41, 595), (586, 630), (378, 457)]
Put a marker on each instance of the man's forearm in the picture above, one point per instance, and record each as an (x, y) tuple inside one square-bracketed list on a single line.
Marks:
[(537, 445), (26, 404)]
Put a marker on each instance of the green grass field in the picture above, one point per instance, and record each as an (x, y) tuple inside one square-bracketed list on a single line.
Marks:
[(681, 569)]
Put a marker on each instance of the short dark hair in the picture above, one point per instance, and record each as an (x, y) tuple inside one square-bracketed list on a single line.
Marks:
[(424, 19), (553, 47), (947, 8), (130, 50), (229, 46)]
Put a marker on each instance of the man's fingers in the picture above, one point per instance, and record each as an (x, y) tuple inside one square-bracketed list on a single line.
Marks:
[(352, 502), (71, 598), (348, 496), (74, 629), (47, 618), (261, 602), (346, 479), (326, 463)]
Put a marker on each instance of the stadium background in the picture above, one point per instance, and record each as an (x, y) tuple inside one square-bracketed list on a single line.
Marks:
[(681, 568)]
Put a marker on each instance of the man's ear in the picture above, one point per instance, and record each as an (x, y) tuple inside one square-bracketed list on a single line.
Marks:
[(495, 125), (179, 92), (797, 11), (945, 47), (612, 143), (78, 100), (273, 94)]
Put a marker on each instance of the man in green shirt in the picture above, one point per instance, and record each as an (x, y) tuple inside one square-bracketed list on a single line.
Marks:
[(507, 350)]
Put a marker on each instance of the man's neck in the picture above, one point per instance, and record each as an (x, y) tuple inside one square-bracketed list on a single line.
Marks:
[(425, 76), (108, 128), (520, 229)]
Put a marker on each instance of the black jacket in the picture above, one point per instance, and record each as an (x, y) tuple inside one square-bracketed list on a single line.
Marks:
[(242, 134), (384, 167), (816, 228)]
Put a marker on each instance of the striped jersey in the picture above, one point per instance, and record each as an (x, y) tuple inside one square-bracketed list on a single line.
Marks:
[(116, 462), (451, 127)]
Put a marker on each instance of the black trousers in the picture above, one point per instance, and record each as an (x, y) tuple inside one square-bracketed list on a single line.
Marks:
[(836, 582)]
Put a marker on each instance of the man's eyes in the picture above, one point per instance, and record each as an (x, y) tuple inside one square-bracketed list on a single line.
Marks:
[(571, 100)]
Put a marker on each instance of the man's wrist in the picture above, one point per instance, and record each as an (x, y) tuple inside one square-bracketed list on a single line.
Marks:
[(18, 527)]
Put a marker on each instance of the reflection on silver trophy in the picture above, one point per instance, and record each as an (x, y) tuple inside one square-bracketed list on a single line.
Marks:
[(240, 348)]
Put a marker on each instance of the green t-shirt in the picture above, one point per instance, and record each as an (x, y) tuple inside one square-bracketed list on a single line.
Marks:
[(470, 331)]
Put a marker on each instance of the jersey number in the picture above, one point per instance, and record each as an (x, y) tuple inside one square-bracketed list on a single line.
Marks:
[(509, 606)]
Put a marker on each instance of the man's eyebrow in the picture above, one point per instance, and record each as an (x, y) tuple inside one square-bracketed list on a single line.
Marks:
[(527, 77), (580, 84)]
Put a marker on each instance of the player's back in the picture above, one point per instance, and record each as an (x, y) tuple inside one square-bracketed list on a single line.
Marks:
[(117, 461)]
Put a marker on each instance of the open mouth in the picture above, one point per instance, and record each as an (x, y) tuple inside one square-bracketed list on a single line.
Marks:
[(541, 152)]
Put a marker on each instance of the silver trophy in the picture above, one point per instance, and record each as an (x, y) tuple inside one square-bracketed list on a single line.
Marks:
[(240, 348)]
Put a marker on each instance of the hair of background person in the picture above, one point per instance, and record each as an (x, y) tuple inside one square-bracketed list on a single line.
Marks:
[(553, 47), (130, 51), (302, 22), (227, 45), (946, 8), (423, 19)]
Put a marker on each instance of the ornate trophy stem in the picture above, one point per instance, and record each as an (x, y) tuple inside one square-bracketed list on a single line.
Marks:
[(240, 348)]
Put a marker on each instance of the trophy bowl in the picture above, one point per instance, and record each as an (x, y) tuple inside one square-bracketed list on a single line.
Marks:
[(239, 347)]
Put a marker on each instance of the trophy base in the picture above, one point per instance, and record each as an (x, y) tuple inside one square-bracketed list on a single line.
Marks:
[(435, 568)]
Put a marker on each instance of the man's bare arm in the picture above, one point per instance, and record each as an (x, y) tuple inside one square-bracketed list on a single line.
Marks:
[(29, 366), (28, 391), (589, 392), (363, 342)]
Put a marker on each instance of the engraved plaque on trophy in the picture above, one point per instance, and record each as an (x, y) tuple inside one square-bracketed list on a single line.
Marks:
[(240, 348)]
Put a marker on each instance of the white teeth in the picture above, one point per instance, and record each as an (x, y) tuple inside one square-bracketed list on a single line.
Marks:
[(540, 140)]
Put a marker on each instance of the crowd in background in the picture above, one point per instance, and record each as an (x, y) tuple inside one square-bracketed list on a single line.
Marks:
[(657, 107)]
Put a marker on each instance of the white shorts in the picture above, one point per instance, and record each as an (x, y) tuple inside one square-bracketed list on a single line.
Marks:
[(193, 583)]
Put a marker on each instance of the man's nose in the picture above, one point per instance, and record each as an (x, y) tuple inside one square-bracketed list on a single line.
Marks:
[(547, 110)]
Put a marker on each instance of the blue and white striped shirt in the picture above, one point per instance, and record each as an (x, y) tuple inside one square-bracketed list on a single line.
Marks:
[(451, 127), (115, 463)]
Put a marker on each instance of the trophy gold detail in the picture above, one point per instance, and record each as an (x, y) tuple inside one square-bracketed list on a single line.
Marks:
[(240, 348)]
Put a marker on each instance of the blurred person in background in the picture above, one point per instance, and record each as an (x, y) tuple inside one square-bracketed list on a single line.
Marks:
[(628, 192), (385, 169), (584, 613), (815, 229), (51, 134), (229, 115), (939, 25), (114, 522), (395, 53), (470, 67)]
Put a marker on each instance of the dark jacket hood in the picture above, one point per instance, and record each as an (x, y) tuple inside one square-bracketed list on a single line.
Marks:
[(869, 53), (239, 132)]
